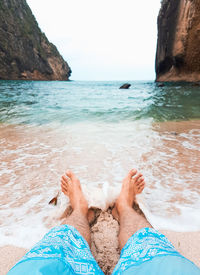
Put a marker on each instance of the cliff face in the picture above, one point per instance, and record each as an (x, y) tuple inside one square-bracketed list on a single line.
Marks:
[(178, 50), (25, 52)]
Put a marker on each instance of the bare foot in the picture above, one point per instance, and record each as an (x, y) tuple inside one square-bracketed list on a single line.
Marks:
[(71, 187), (133, 184)]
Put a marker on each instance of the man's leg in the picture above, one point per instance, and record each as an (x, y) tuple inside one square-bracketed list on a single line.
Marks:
[(64, 249), (130, 221), (71, 187), (145, 250)]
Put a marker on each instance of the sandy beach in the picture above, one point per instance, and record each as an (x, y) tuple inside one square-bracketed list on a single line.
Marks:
[(103, 98), (106, 252), (141, 128)]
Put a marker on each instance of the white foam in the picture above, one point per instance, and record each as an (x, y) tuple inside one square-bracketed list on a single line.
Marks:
[(187, 221), (101, 154)]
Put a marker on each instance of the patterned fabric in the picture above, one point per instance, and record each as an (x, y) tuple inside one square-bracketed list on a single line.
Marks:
[(143, 246), (65, 244), (63, 251), (163, 265)]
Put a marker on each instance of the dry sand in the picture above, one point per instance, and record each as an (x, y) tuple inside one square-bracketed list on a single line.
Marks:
[(105, 245)]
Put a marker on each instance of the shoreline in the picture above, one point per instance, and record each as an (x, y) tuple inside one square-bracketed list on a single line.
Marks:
[(187, 243)]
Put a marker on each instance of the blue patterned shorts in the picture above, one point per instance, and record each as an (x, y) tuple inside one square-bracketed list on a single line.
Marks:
[(148, 252), (64, 251)]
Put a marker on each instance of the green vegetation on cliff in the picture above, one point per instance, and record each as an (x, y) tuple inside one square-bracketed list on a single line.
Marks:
[(25, 52)]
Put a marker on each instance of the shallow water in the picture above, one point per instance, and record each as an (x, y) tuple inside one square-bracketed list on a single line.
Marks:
[(100, 132)]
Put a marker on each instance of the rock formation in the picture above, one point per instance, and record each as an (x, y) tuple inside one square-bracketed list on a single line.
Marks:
[(25, 52), (125, 86), (178, 51)]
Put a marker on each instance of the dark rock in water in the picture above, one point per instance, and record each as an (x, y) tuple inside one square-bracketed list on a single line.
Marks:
[(161, 85), (25, 52), (174, 133), (178, 51), (125, 86)]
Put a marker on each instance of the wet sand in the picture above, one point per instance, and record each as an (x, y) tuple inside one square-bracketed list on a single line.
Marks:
[(173, 150), (105, 242), (33, 158), (105, 245)]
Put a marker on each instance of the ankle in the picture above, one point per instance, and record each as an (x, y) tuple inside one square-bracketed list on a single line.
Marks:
[(83, 209), (121, 207)]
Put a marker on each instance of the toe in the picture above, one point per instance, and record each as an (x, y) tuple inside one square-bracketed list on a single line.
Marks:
[(71, 175), (132, 173), (64, 189), (140, 180), (140, 188), (137, 177), (142, 183), (63, 183), (64, 179)]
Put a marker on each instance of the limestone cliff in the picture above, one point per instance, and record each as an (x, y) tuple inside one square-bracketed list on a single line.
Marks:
[(178, 50), (25, 52)]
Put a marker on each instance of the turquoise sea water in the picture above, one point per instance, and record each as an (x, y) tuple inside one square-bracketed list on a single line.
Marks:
[(100, 132), (69, 102)]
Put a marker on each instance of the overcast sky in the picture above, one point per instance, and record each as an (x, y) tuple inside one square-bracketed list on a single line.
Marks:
[(104, 39)]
